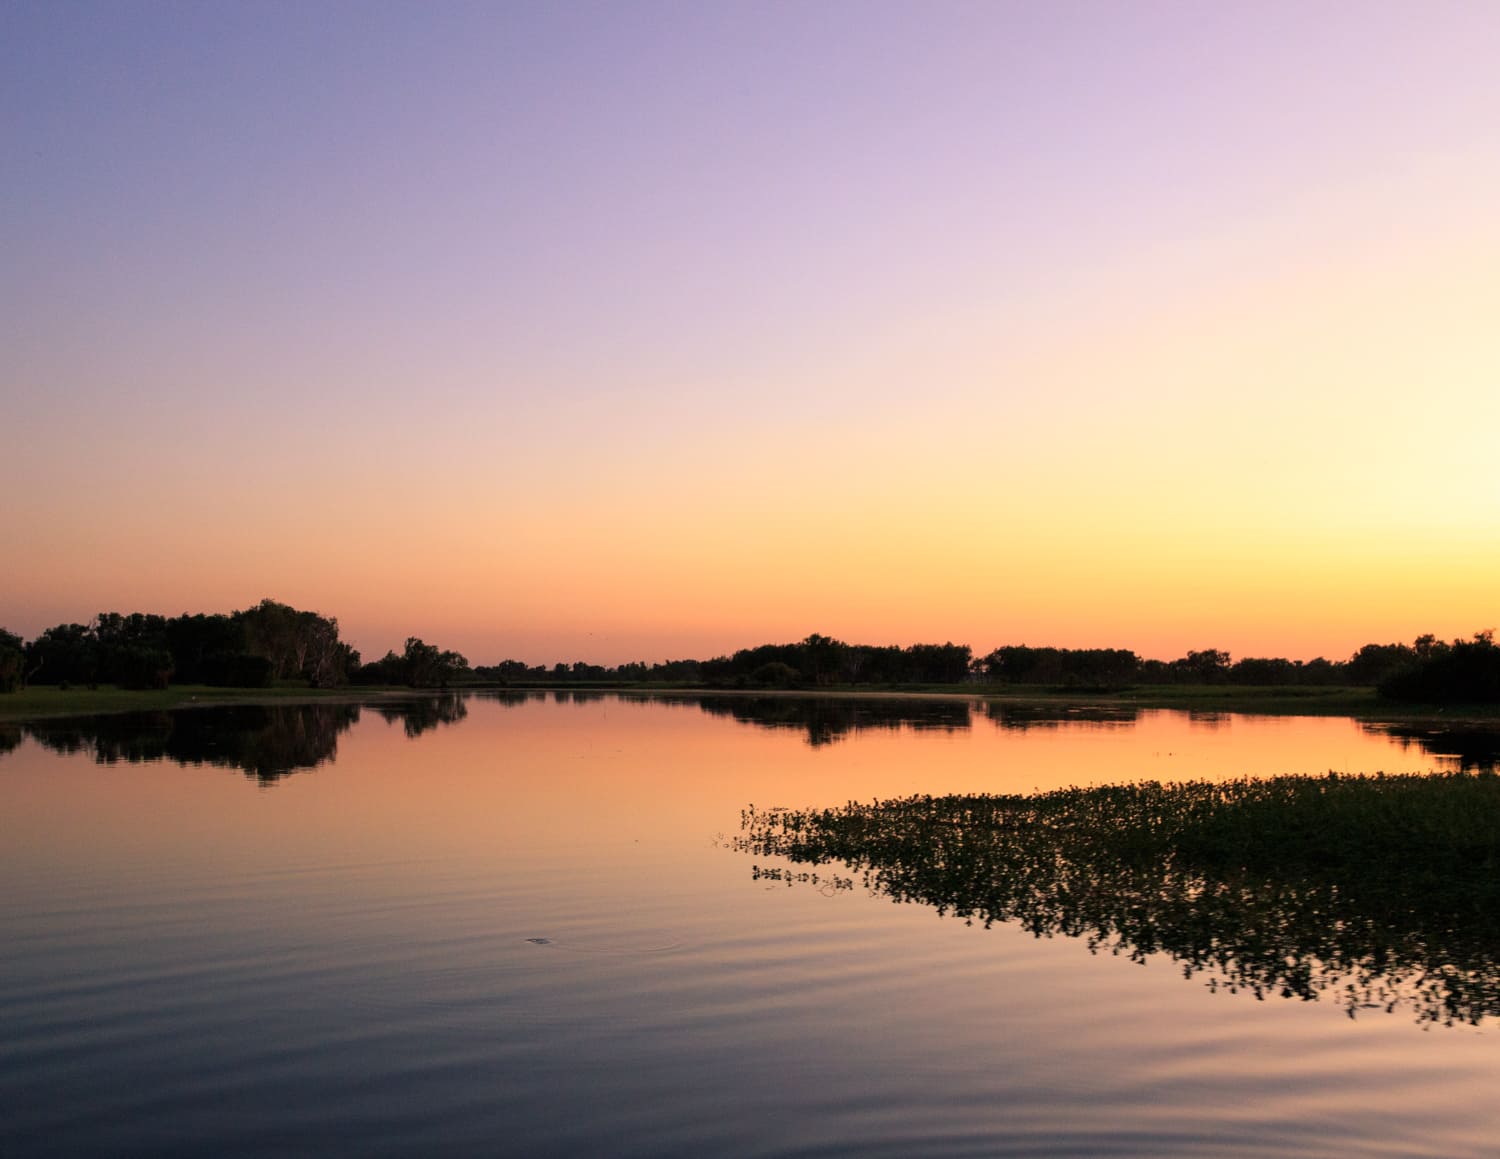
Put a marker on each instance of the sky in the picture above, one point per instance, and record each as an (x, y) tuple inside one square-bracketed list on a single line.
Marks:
[(649, 330)]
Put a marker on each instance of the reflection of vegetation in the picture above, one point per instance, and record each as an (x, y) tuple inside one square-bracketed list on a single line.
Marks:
[(1376, 891), (508, 697), (418, 716), (1020, 717), (1469, 748), (577, 696), (264, 741), (827, 719)]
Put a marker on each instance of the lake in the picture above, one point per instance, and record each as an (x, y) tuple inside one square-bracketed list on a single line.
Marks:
[(533, 924)]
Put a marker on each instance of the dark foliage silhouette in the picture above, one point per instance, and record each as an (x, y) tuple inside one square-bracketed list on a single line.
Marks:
[(1376, 892), (1464, 672)]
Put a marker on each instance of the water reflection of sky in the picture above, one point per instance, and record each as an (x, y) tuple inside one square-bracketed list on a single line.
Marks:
[(271, 741), (192, 965)]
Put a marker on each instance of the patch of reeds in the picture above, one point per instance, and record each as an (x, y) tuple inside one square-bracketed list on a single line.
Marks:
[(1379, 891)]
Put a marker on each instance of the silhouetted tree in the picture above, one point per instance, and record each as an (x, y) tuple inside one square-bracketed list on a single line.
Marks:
[(1375, 663), (1209, 666), (298, 644), (386, 670), (423, 665), (12, 661), (775, 674), (1067, 667), (1465, 672), (65, 654)]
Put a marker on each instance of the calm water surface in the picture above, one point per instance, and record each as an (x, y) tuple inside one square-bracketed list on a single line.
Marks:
[(521, 926)]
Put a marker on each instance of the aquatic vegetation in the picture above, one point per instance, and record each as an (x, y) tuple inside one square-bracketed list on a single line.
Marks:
[(1375, 891)]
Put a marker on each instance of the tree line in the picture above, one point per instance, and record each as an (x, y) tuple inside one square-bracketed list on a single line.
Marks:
[(257, 647), (1428, 669), (274, 642)]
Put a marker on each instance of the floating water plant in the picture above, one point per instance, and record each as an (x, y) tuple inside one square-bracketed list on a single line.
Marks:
[(1378, 891)]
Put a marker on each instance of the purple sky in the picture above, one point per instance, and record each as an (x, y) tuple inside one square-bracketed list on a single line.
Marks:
[(265, 264)]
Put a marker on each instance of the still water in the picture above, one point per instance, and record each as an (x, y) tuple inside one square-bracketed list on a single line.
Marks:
[(528, 925)]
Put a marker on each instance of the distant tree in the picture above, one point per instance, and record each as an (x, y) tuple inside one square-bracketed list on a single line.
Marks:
[(1068, 667), (822, 658), (202, 647), (1322, 671), (132, 649), (426, 666), (1256, 670), (1209, 666), (298, 644), (506, 670), (386, 670), (939, 663), (691, 671), (64, 654), (12, 661), (775, 674), (140, 666), (1465, 672), (1375, 663), (1428, 646), (237, 670)]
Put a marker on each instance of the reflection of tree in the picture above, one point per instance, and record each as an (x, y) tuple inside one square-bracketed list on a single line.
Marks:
[(577, 696), (418, 716), (1021, 717), (827, 719), (509, 697), (1378, 891), (264, 741), (1471, 749)]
